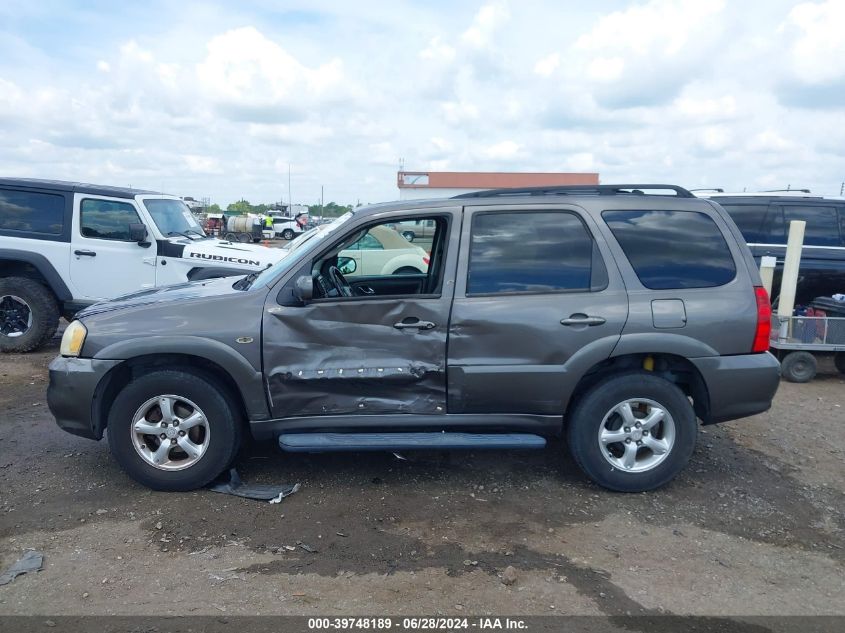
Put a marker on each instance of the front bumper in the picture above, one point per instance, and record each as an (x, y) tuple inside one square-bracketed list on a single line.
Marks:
[(72, 391), (739, 386)]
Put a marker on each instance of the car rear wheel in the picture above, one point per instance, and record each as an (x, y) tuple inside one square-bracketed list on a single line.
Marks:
[(632, 432), (799, 367), (287, 234), (29, 314), (173, 430), (407, 270), (231, 237), (408, 235)]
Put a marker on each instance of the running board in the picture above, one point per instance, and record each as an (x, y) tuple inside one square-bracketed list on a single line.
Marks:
[(324, 442)]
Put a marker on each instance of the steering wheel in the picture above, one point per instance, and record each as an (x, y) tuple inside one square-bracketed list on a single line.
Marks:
[(339, 282)]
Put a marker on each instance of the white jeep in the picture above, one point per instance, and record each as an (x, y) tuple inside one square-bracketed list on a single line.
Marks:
[(66, 245)]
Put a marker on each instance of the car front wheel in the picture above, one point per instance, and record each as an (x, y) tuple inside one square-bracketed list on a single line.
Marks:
[(173, 430), (287, 234), (632, 432)]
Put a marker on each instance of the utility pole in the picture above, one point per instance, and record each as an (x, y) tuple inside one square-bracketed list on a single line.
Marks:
[(290, 193), (322, 207)]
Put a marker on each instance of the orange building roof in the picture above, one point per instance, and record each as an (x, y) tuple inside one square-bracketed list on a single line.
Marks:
[(490, 179)]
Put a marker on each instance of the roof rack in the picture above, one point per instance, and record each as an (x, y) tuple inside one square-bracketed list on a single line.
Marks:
[(579, 190), (713, 189), (785, 191)]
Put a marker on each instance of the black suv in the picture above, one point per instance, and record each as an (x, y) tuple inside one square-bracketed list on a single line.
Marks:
[(764, 221), (617, 315)]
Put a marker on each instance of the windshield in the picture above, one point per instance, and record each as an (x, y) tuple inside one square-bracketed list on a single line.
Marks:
[(307, 241), (173, 217)]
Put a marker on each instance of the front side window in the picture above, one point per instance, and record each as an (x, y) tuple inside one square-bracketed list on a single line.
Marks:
[(31, 212), (107, 219), (673, 249), (529, 252)]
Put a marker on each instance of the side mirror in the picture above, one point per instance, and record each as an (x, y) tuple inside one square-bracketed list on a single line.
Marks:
[(304, 288), (138, 233), (346, 265)]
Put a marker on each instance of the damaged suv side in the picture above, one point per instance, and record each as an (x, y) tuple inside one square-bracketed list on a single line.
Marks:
[(614, 316)]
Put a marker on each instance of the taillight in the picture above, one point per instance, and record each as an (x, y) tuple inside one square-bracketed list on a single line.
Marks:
[(764, 321), (426, 259)]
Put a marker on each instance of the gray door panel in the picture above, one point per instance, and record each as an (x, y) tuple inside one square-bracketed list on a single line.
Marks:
[(510, 353), (362, 355)]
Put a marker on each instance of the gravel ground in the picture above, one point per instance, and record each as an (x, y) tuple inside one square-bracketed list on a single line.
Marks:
[(754, 526)]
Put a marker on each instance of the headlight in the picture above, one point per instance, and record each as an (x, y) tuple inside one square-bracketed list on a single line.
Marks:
[(73, 339)]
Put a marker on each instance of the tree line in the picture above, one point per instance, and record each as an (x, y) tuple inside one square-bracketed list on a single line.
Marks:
[(242, 207)]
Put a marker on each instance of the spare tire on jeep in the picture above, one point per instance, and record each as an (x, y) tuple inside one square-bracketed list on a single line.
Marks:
[(29, 314)]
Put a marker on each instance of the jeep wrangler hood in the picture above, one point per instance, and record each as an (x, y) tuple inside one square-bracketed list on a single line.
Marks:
[(169, 294), (216, 252)]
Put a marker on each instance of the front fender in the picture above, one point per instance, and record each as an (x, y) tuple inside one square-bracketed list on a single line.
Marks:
[(249, 381)]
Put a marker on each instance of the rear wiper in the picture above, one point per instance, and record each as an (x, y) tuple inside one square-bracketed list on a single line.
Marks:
[(245, 282)]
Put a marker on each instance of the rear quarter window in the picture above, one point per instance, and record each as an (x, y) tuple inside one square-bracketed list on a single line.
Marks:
[(31, 212), (673, 249)]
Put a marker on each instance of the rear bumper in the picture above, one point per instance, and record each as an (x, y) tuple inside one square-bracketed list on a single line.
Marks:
[(70, 395), (739, 386)]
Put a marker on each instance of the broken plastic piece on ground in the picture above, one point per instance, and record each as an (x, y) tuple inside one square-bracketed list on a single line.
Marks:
[(30, 561), (230, 483)]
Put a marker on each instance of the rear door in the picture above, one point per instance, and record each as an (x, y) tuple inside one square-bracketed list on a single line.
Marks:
[(104, 262), (536, 296)]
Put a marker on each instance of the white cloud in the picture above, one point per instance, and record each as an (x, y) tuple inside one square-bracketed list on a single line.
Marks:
[(545, 66), (103, 66), (250, 77), (459, 112), (817, 53), (438, 51), (502, 150), (486, 23)]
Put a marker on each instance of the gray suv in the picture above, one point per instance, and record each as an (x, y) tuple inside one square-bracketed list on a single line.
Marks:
[(616, 315)]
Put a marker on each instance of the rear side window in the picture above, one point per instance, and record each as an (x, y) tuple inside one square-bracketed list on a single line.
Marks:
[(536, 252), (822, 223), (31, 212), (107, 219), (673, 249)]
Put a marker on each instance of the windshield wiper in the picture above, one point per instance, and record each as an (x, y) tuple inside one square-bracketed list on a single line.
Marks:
[(202, 236), (245, 282), (182, 233)]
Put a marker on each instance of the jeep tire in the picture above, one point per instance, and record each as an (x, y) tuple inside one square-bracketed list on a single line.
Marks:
[(287, 234), (156, 459), (29, 314), (625, 416)]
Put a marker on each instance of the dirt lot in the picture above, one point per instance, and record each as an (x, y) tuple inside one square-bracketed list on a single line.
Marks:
[(753, 526)]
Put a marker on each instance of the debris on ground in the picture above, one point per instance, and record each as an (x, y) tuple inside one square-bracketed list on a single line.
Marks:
[(509, 575), (30, 561), (231, 484)]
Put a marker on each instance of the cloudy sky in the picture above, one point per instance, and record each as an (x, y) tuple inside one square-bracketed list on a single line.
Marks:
[(217, 99)]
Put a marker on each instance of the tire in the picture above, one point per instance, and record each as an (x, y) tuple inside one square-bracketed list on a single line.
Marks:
[(799, 367), (287, 234), (596, 411), (244, 237), (839, 361), (32, 311), (409, 235), (231, 237), (407, 270), (220, 436)]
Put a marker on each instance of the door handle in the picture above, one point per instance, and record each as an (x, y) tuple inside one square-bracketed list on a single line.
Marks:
[(366, 290), (583, 319), (85, 253), (409, 324)]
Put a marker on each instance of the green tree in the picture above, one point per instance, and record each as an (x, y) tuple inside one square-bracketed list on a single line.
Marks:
[(240, 207), (214, 208)]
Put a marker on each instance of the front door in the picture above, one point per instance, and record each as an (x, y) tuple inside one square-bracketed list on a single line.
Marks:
[(538, 301), (104, 262), (373, 338)]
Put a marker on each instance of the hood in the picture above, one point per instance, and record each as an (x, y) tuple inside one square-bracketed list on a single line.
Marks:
[(190, 290), (216, 252)]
